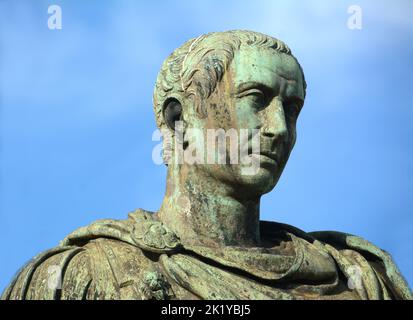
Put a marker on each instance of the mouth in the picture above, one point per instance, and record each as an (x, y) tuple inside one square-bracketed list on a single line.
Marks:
[(269, 155), (266, 156)]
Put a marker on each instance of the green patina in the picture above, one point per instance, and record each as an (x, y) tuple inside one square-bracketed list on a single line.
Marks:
[(207, 240)]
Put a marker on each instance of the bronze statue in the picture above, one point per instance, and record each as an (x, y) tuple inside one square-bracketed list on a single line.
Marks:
[(207, 240)]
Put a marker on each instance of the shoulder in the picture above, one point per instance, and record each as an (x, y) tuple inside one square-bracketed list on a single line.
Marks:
[(39, 274), (100, 269), (366, 257), (366, 266), (100, 261)]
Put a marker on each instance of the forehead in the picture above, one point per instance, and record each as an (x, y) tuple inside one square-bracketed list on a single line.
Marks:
[(266, 66)]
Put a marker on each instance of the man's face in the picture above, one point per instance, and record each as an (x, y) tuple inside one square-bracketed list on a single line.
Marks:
[(262, 90)]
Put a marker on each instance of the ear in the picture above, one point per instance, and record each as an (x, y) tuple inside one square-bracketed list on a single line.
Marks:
[(172, 112)]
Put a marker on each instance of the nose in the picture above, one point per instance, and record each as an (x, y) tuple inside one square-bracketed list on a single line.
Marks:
[(274, 123)]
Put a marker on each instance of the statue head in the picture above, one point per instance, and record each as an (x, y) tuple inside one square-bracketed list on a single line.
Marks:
[(240, 86)]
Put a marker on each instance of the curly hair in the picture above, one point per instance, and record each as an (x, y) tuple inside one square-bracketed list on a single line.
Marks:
[(195, 68)]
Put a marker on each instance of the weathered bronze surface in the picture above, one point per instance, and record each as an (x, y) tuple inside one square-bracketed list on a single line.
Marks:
[(207, 241)]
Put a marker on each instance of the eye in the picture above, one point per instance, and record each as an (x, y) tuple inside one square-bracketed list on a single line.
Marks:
[(258, 97), (292, 108)]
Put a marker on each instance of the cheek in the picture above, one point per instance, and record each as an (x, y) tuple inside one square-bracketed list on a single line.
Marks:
[(219, 116), (292, 134), (247, 116), (294, 138)]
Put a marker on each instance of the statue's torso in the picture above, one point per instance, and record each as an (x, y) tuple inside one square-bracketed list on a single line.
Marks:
[(139, 258)]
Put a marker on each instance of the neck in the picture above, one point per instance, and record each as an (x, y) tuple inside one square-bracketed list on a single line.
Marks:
[(204, 211)]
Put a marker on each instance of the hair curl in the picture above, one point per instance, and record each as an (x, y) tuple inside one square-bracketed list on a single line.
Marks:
[(195, 68)]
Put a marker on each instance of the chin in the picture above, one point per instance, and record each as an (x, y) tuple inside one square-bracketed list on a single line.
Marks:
[(259, 183)]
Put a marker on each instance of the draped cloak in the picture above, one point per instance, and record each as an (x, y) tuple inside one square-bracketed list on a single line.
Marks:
[(140, 258)]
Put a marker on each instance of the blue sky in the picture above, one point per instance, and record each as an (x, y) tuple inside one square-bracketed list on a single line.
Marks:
[(76, 116)]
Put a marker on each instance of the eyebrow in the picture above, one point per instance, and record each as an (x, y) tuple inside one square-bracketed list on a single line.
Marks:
[(266, 89), (253, 84), (296, 99)]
